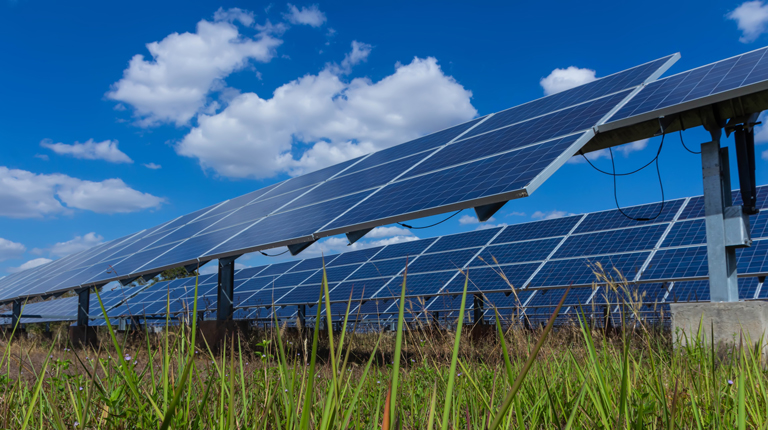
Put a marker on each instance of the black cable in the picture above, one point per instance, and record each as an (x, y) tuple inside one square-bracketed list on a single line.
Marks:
[(428, 226), (682, 127), (274, 255), (614, 175), (661, 185)]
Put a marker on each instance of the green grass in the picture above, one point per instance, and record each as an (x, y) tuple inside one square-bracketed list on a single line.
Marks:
[(416, 378)]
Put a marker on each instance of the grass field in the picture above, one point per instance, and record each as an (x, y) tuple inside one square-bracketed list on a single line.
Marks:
[(421, 378)]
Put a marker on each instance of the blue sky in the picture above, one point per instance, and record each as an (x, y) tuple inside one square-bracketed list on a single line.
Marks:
[(120, 117)]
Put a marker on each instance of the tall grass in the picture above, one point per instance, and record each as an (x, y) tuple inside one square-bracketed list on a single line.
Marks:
[(552, 377)]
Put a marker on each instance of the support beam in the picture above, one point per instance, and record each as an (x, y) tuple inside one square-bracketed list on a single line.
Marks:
[(226, 289), (723, 283), (16, 315), (354, 236), (302, 315), (81, 334), (484, 213), (745, 157), (477, 309), (296, 248)]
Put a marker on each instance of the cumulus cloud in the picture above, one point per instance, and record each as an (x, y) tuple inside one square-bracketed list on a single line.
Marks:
[(90, 150), (624, 149), (359, 54), (152, 166), (25, 194), (30, 264), (173, 85), (380, 232), (751, 18), (565, 79), (470, 219), (311, 16), (553, 214), (336, 120), (10, 249), (79, 243)]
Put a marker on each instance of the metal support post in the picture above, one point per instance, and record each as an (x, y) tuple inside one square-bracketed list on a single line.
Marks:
[(16, 315), (723, 283), (83, 306), (302, 315), (226, 290), (477, 309)]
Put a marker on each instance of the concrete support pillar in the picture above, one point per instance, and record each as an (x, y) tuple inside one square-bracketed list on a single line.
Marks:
[(730, 322)]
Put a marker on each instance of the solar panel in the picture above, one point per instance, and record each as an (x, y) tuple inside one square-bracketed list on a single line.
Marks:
[(611, 242), (709, 80), (487, 160)]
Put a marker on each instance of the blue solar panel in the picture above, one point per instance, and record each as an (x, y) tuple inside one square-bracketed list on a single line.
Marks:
[(541, 129), (377, 269), (313, 177), (451, 260), (610, 242), (313, 263), (355, 182), (278, 268), (423, 284), (464, 240), (405, 249), (538, 229), (632, 294), (333, 274), (304, 294), (689, 291), (614, 219), (678, 263), (685, 233), (518, 252), (412, 147), (485, 278), (292, 224), (753, 260), (724, 75), (580, 271), (500, 174), (601, 87)]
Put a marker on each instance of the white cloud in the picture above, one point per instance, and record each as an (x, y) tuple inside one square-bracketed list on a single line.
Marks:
[(152, 166), (487, 225), (379, 232), (43, 157), (553, 214), (751, 18), (90, 150), (624, 149), (516, 213), (359, 54), (25, 194), (174, 84), (469, 219), (30, 264), (311, 16), (336, 120), (245, 17), (9, 249), (79, 243), (565, 79)]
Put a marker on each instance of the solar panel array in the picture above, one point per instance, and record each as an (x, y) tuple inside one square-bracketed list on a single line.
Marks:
[(663, 261), (490, 159)]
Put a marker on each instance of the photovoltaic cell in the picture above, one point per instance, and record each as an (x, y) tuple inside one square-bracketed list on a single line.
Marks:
[(614, 219), (538, 229), (355, 256), (485, 278), (451, 260), (610, 84), (711, 79), (405, 249), (580, 271), (678, 263), (518, 252), (685, 233), (464, 240), (611, 242)]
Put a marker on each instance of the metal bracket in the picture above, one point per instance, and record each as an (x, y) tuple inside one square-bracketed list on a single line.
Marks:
[(485, 212), (127, 281), (296, 248), (354, 236), (737, 231)]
